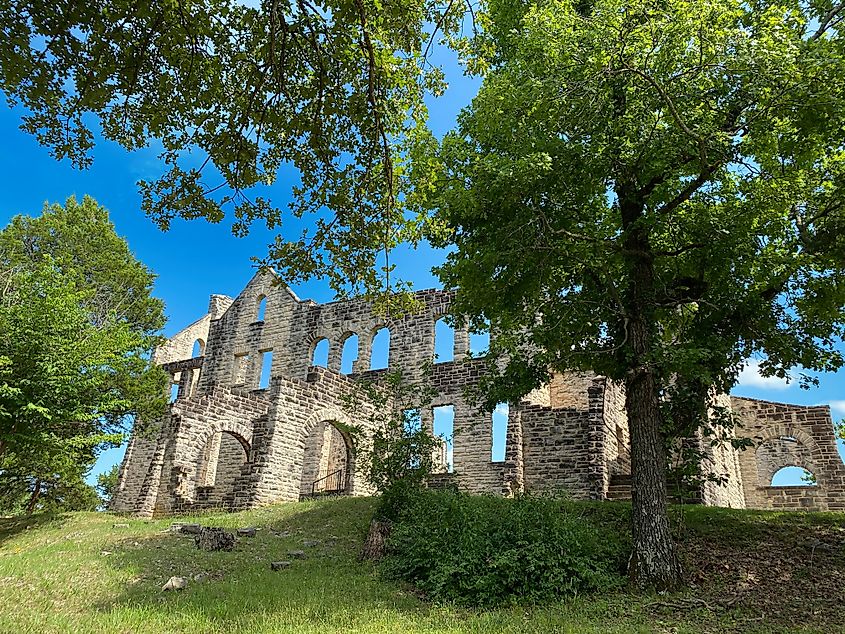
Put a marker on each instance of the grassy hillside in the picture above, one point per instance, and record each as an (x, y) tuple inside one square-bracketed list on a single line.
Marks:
[(751, 572)]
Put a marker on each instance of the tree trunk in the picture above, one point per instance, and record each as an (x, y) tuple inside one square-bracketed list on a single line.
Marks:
[(653, 560), (33, 499), (376, 543)]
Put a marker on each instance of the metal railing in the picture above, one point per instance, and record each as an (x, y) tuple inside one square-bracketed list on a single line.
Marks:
[(335, 482)]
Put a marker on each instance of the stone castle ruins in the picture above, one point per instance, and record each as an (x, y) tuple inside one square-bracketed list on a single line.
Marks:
[(233, 439)]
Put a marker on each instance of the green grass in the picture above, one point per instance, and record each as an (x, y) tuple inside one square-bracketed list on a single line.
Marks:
[(77, 573)]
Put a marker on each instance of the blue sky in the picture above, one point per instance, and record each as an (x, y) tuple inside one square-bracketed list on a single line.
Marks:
[(195, 259)]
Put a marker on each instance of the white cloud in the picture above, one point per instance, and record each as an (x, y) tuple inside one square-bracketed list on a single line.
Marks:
[(751, 377), (501, 409), (838, 407)]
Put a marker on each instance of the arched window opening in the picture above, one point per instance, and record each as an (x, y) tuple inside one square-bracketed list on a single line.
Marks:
[(349, 354), (444, 341), (793, 476), (380, 354), (261, 308), (320, 353), (198, 349), (174, 392), (500, 432), (444, 428), (479, 342)]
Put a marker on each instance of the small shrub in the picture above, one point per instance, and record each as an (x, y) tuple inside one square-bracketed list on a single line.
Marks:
[(481, 550), (400, 454)]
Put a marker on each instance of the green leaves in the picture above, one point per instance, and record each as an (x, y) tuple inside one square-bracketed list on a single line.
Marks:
[(79, 323), (234, 94), (483, 550), (716, 123)]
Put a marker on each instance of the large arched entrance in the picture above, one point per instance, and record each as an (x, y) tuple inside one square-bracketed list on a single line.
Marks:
[(328, 461), (220, 463)]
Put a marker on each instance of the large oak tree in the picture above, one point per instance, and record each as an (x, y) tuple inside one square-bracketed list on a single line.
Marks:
[(651, 191)]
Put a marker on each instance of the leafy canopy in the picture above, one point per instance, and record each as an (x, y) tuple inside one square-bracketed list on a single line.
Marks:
[(719, 121), (233, 94), (78, 324)]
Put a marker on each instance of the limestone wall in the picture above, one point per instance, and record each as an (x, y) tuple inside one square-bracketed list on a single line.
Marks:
[(789, 435), (133, 471), (722, 461), (285, 426), (292, 328), (230, 440)]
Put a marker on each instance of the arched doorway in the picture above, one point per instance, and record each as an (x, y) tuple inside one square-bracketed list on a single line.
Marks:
[(328, 462), (220, 464)]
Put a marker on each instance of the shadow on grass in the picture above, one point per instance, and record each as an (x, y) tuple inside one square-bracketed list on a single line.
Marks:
[(782, 580), (785, 567), (10, 527), (330, 588)]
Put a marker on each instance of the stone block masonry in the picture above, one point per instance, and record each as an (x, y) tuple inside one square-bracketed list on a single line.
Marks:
[(255, 419)]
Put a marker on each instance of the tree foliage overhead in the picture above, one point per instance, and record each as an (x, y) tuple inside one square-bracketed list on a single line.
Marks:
[(78, 323), (722, 121), (653, 192), (233, 93)]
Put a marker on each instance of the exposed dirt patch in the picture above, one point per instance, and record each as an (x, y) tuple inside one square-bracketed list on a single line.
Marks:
[(766, 576)]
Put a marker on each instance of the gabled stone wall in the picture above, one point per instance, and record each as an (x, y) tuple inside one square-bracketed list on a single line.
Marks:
[(229, 441)]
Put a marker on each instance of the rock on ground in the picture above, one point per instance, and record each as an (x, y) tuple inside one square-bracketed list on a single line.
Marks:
[(211, 539), (176, 583)]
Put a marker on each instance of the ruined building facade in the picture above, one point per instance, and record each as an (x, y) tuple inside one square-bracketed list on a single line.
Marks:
[(234, 439)]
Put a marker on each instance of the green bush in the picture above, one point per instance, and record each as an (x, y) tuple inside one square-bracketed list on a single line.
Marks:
[(482, 550)]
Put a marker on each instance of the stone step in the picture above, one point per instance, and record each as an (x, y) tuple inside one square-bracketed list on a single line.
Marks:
[(619, 488), (321, 494)]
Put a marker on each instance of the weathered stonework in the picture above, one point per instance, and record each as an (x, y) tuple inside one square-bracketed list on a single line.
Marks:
[(231, 441)]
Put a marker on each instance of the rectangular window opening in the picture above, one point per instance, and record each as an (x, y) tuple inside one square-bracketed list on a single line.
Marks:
[(411, 420), (500, 432), (411, 424), (266, 366), (444, 428)]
